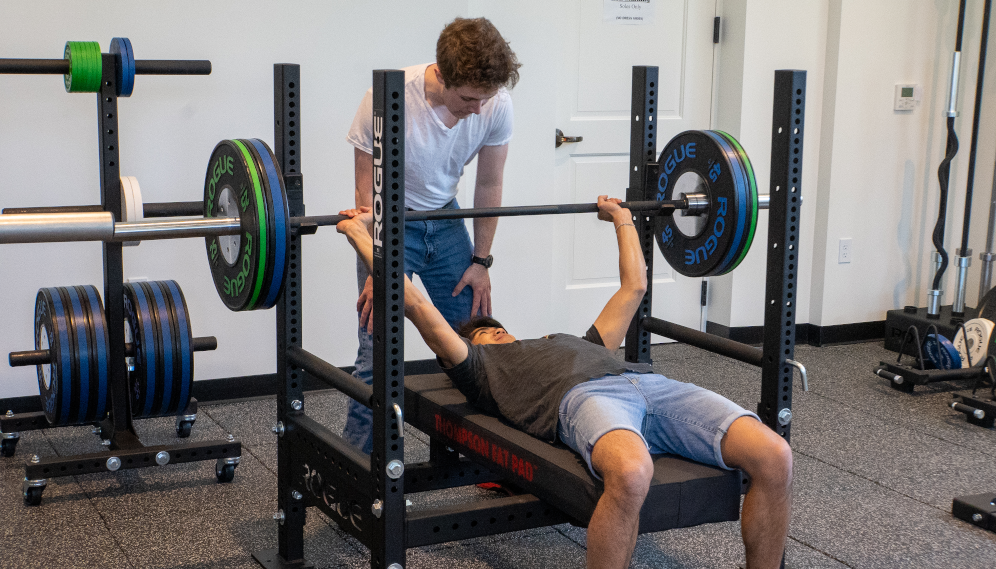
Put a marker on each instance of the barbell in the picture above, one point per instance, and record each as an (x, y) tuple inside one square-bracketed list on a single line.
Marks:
[(705, 175)]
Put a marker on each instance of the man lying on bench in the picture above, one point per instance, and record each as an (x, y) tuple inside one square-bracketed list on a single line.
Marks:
[(614, 413)]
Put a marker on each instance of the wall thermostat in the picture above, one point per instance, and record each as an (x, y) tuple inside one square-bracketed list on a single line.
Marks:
[(907, 96)]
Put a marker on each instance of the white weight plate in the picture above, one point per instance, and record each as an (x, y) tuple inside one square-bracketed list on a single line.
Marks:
[(131, 198), (976, 345)]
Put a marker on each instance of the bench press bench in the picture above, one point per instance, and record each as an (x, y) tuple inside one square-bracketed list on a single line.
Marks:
[(683, 493)]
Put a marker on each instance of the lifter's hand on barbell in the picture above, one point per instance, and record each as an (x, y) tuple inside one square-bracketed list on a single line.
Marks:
[(607, 207)]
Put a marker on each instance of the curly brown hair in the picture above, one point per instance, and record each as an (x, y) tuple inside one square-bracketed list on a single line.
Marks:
[(470, 51)]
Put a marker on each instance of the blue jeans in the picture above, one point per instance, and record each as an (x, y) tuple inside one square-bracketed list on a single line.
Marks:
[(439, 253), (670, 416)]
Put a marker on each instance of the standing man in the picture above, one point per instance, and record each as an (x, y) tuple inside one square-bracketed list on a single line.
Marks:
[(455, 109)]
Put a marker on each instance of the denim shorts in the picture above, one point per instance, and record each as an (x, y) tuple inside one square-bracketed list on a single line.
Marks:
[(670, 416)]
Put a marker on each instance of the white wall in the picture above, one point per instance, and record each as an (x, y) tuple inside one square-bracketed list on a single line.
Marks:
[(869, 173), (170, 125), (880, 185), (775, 34)]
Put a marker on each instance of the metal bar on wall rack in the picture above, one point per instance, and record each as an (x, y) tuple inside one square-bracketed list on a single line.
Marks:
[(780, 305)]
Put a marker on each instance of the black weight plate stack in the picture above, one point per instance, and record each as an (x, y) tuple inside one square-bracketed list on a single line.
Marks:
[(729, 223), (157, 321), (234, 187), (69, 322)]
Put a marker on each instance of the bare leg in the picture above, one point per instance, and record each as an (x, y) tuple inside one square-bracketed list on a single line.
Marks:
[(621, 458), (757, 450)]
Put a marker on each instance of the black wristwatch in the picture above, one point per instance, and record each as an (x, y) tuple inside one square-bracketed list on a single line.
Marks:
[(485, 262)]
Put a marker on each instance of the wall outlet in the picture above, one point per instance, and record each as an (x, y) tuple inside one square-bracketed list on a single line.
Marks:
[(844, 251)]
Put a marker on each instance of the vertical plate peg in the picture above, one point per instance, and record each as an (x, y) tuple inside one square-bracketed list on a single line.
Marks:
[(399, 416)]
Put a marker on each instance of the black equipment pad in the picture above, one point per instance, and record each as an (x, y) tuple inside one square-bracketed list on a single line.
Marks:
[(683, 493)]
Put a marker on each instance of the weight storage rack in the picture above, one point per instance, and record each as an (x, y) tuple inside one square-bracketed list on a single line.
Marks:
[(365, 494), (125, 450)]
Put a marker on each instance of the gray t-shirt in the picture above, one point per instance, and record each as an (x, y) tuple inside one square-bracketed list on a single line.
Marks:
[(524, 381)]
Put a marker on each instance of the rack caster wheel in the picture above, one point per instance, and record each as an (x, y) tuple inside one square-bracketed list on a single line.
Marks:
[(183, 429), (224, 469), (8, 444), (32, 490), (184, 423)]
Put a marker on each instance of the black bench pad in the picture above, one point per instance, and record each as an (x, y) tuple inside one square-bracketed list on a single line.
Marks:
[(683, 493)]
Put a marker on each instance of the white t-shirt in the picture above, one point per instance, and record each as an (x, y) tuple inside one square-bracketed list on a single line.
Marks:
[(434, 154)]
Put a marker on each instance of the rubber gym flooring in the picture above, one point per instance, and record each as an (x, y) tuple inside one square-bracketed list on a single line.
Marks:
[(875, 472)]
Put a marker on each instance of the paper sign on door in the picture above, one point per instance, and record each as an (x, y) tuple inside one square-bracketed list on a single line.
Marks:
[(628, 12)]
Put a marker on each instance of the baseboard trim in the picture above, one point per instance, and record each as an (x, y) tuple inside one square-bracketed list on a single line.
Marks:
[(209, 391), (810, 334)]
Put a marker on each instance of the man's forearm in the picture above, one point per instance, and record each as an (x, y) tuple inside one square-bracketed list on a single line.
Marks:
[(360, 239), (632, 265)]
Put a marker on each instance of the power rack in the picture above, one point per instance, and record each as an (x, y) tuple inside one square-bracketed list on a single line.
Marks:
[(365, 494), (125, 450)]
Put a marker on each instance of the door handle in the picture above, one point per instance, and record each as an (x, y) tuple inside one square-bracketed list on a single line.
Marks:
[(562, 139)]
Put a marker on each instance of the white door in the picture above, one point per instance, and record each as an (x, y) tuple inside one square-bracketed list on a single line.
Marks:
[(594, 103)]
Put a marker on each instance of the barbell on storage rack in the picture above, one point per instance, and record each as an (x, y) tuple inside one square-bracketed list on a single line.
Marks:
[(82, 66), (248, 228)]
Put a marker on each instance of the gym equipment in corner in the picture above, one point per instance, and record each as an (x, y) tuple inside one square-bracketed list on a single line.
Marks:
[(81, 348)]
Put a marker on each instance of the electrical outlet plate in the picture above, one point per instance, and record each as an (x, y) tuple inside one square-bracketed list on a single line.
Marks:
[(844, 251)]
